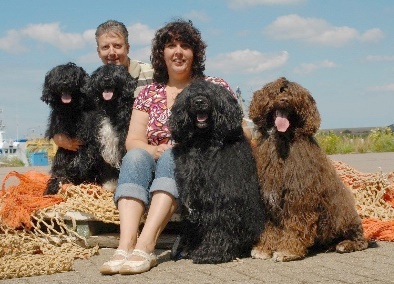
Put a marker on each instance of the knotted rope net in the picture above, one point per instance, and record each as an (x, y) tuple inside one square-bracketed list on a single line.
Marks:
[(374, 193), (37, 235)]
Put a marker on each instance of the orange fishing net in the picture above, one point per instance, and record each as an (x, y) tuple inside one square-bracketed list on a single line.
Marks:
[(19, 201), (374, 193), (36, 236)]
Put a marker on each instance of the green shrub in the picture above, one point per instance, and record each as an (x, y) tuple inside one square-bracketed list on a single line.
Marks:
[(329, 142), (378, 140), (381, 140), (10, 161)]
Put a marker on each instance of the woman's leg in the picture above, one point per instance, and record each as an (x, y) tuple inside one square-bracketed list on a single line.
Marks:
[(131, 197), (162, 207), (130, 213)]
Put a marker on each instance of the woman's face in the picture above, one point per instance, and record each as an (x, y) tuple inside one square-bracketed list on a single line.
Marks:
[(178, 57), (113, 49)]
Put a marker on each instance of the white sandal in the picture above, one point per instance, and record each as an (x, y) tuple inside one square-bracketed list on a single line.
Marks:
[(139, 266), (112, 266)]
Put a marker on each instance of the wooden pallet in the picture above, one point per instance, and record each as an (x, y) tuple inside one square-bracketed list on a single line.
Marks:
[(104, 234)]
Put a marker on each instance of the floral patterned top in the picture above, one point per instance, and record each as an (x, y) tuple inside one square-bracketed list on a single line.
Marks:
[(153, 100)]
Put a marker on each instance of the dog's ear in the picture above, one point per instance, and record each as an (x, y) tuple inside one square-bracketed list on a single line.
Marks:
[(227, 113), (47, 95), (306, 108), (130, 84), (91, 81), (180, 124), (260, 106)]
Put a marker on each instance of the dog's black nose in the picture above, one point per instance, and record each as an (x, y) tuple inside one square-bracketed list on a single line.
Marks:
[(106, 78), (200, 102)]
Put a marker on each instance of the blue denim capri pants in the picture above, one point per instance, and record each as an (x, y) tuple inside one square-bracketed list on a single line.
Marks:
[(141, 175)]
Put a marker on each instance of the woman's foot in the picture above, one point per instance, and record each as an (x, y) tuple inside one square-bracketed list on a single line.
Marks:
[(139, 262), (115, 263)]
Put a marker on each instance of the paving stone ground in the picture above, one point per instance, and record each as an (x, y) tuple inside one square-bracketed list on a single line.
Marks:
[(372, 266)]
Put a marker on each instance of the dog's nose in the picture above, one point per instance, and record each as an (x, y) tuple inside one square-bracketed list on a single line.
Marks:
[(106, 78), (284, 100), (200, 103)]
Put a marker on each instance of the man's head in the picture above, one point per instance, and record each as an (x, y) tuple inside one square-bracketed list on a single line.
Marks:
[(112, 43)]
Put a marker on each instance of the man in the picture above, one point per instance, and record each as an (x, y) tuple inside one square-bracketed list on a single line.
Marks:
[(113, 48)]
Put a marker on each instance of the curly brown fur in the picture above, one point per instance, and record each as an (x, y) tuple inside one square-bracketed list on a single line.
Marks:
[(216, 175), (307, 205)]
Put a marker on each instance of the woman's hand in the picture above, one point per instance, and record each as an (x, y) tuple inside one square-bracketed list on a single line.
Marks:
[(63, 141), (160, 150)]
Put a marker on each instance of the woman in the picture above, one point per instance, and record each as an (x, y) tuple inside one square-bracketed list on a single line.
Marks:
[(113, 48), (178, 56)]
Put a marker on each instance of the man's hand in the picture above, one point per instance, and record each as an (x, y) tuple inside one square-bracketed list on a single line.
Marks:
[(62, 140)]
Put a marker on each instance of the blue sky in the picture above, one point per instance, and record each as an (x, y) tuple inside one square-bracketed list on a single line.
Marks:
[(342, 51)]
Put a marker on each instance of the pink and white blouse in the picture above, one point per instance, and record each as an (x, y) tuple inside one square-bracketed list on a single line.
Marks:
[(153, 100)]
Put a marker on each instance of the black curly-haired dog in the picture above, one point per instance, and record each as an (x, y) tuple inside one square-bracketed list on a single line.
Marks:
[(111, 87), (306, 202), (215, 174), (69, 108)]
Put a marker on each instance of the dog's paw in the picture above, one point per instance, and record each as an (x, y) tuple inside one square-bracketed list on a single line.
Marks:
[(256, 253), (350, 246), (110, 185), (280, 256)]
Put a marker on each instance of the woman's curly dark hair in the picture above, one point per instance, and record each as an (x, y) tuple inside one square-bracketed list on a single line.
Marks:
[(183, 31)]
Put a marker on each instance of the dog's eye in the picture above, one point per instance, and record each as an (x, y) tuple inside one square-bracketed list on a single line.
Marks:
[(283, 89)]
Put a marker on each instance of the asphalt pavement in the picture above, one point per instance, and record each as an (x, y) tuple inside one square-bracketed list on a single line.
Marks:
[(372, 266)]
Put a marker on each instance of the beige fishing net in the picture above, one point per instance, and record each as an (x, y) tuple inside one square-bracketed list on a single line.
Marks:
[(50, 242), (38, 235)]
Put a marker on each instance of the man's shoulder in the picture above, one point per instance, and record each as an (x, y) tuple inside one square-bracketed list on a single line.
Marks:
[(144, 66)]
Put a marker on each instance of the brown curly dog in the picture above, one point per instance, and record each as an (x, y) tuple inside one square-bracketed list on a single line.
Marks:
[(307, 203)]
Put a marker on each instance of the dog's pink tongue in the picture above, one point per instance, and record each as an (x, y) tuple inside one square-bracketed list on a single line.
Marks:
[(281, 121), (107, 95), (202, 117), (66, 98)]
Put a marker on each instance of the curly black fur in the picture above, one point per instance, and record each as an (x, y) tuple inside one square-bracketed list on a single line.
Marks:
[(215, 174), (111, 87), (82, 115), (69, 109), (306, 203)]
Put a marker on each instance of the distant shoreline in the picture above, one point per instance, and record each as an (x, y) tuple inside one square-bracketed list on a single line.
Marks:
[(355, 130)]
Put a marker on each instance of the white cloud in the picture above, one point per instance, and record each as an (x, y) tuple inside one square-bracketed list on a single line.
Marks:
[(379, 58), (384, 88), (91, 57), (51, 33), (197, 15), (317, 31), (235, 4), (247, 61), (306, 68), (142, 54), (372, 35), (12, 42), (140, 34), (89, 36)]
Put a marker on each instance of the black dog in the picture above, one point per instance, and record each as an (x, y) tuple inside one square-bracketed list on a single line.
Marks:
[(111, 87), (69, 107), (215, 174)]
